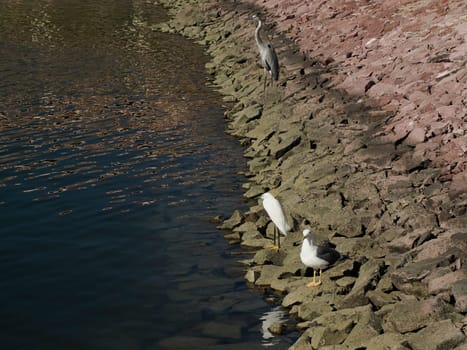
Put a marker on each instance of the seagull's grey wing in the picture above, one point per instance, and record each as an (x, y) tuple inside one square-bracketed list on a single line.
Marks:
[(329, 254)]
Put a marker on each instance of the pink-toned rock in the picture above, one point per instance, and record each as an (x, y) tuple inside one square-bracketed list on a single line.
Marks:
[(419, 48), (410, 240), (438, 128), (417, 135), (413, 277), (447, 112), (458, 185), (459, 292), (446, 281), (445, 242)]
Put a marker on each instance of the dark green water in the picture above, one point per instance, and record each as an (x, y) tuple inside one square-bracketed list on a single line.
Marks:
[(113, 160)]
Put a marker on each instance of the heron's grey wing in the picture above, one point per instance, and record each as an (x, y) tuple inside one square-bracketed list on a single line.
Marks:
[(272, 62), (328, 254)]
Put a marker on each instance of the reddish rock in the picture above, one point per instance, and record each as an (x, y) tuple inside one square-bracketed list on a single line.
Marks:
[(410, 240), (446, 281), (448, 241), (459, 292), (417, 135), (458, 185), (419, 48)]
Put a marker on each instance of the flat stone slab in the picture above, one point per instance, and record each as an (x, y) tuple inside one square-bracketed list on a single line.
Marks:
[(412, 315)]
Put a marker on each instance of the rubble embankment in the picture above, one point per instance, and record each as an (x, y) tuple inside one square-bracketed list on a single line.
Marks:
[(364, 141)]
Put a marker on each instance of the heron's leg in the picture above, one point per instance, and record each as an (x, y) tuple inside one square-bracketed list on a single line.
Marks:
[(278, 240), (265, 76)]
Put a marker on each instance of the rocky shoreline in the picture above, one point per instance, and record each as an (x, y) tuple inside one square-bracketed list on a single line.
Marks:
[(387, 189)]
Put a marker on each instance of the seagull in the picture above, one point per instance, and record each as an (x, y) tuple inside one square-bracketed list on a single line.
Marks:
[(276, 214), (316, 257)]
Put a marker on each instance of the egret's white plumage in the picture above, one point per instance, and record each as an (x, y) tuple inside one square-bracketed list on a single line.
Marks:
[(276, 214), (316, 257)]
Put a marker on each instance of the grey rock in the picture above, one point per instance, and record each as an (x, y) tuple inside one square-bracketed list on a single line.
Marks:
[(254, 239), (379, 298), (368, 277), (442, 335), (268, 273), (246, 227), (235, 220), (386, 341), (252, 275), (267, 256), (412, 315), (368, 326), (300, 295), (346, 282), (277, 328), (411, 278), (314, 308), (334, 328), (282, 145)]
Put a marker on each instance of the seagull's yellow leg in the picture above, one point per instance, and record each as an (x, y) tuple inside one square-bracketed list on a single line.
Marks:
[(314, 283), (320, 272)]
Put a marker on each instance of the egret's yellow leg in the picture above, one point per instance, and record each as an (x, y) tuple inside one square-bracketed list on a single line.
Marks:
[(274, 246)]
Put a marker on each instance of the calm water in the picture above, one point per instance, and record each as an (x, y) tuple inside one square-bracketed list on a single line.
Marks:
[(113, 160)]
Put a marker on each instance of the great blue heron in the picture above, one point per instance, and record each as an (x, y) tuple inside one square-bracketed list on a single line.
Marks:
[(276, 214), (268, 54), (316, 257)]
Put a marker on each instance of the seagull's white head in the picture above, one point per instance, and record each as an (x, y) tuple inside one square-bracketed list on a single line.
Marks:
[(306, 232)]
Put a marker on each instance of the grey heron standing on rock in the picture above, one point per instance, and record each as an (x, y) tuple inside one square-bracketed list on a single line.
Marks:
[(267, 53)]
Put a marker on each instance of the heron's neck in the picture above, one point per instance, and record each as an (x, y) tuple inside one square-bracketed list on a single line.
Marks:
[(258, 37)]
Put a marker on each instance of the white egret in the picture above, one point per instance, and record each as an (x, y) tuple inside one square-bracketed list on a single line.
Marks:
[(276, 214), (316, 257)]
